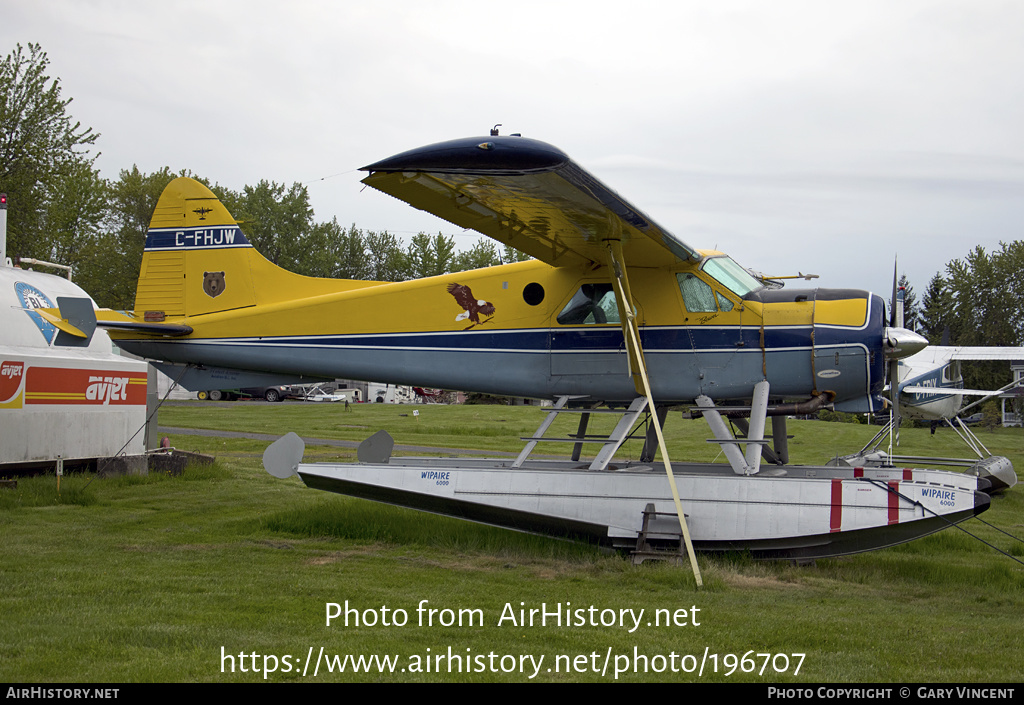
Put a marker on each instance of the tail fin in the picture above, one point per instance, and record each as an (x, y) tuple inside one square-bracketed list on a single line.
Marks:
[(192, 245), (198, 261)]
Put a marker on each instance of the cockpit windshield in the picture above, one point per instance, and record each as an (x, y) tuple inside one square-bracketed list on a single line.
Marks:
[(732, 276)]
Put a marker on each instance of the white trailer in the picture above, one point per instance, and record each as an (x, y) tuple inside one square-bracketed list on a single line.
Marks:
[(61, 397)]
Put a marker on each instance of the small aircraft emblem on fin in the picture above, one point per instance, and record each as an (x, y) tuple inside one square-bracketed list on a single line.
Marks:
[(201, 212)]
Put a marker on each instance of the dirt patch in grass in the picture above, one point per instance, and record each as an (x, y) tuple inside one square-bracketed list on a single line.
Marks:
[(157, 548), (372, 550), (274, 544)]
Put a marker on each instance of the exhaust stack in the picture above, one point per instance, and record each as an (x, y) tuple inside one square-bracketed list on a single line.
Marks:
[(3, 232)]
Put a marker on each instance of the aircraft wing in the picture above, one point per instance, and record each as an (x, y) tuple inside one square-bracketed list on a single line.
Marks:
[(529, 195), (986, 353), (946, 391)]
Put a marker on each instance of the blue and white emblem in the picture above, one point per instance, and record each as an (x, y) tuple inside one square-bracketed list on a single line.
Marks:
[(31, 298)]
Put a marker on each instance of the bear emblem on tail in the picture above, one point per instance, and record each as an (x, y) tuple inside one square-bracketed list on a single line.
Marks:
[(213, 283)]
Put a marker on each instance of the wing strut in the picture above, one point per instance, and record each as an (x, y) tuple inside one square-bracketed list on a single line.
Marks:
[(638, 369)]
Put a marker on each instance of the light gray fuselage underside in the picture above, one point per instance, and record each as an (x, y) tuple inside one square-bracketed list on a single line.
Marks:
[(676, 376)]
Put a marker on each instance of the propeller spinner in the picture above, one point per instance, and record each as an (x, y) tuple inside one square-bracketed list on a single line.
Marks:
[(901, 343)]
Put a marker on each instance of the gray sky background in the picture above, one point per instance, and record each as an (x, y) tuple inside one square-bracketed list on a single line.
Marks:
[(808, 136)]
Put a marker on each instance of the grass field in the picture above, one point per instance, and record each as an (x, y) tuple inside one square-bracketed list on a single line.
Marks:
[(176, 578)]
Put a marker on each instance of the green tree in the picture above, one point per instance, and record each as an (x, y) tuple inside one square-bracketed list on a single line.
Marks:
[(44, 157), (1009, 270), (936, 310), (430, 256), (510, 254), (983, 304), (911, 311), (73, 214), (278, 223), (335, 252), (483, 254), (111, 260), (385, 259), (987, 307)]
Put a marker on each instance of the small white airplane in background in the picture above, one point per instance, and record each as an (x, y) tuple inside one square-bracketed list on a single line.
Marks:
[(929, 386)]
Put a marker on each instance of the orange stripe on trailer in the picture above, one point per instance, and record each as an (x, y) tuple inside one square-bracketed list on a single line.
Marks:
[(53, 395)]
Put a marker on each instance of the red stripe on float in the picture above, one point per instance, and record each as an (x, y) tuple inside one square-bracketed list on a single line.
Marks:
[(836, 517), (894, 503)]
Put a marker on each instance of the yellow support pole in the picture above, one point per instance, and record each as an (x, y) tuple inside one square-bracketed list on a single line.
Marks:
[(638, 368)]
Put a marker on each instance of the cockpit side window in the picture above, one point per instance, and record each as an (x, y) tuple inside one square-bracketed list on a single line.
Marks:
[(592, 303), (724, 304), (951, 372)]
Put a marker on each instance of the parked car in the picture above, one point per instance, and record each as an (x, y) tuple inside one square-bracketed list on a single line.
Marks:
[(272, 393)]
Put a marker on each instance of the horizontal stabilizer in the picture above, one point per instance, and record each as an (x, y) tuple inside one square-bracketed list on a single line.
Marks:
[(168, 329), (116, 320)]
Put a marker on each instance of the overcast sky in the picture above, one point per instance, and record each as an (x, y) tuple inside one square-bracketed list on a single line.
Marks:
[(807, 136)]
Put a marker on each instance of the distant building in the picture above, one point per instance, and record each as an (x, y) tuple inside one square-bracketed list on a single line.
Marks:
[(382, 393), (1011, 411)]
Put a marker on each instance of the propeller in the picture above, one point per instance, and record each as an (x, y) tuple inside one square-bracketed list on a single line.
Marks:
[(895, 322), (899, 343)]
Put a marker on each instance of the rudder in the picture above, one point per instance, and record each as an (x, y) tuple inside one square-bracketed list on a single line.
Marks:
[(192, 244)]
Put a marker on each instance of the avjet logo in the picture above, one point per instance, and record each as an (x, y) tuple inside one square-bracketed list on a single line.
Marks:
[(10, 379), (107, 389), (60, 385)]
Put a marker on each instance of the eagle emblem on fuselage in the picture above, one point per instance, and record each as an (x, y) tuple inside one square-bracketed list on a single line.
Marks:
[(473, 307)]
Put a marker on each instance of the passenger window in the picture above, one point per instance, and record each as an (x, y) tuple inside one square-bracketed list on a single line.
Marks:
[(592, 303), (698, 296)]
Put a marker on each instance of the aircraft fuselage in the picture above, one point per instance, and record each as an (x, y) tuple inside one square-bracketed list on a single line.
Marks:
[(530, 329)]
